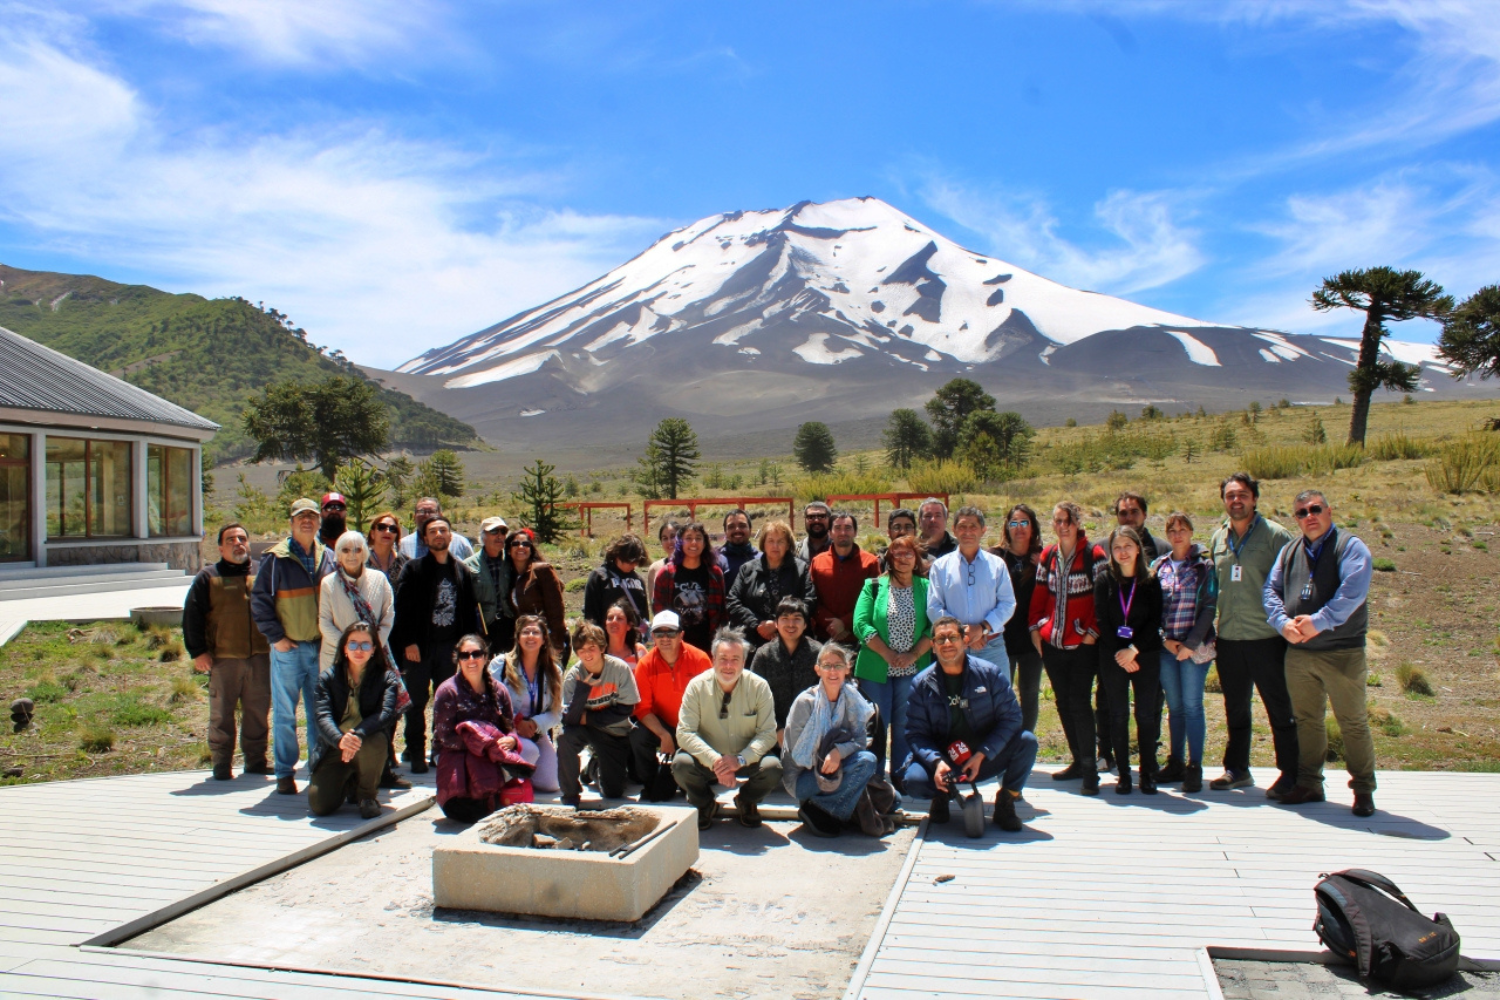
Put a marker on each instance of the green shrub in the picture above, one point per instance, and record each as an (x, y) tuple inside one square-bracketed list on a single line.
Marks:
[(1289, 461), (1386, 721), (942, 476), (96, 739), (1398, 445), (1373, 680), (840, 482), (576, 584), (1383, 565), (1413, 679), (46, 690), (1462, 465)]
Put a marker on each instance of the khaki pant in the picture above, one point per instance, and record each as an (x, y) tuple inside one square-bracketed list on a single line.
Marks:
[(329, 786), (1315, 679), (246, 683)]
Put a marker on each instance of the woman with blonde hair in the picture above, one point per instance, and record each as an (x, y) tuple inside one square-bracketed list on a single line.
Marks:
[(757, 590), (531, 675)]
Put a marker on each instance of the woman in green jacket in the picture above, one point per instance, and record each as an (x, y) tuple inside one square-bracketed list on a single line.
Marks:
[(890, 621)]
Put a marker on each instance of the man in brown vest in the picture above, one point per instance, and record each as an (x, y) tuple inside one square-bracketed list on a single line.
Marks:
[(222, 639)]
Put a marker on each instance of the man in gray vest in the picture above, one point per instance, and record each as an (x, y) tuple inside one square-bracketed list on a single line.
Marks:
[(1316, 596)]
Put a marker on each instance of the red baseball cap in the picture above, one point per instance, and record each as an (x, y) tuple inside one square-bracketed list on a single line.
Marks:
[(329, 498)]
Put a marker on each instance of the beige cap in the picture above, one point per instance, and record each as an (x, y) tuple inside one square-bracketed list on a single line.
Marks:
[(492, 523), (303, 505)]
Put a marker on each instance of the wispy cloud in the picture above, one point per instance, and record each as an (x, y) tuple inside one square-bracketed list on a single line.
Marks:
[(1143, 244)]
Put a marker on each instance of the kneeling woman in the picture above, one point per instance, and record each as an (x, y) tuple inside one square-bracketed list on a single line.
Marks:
[(826, 763), (534, 682), (356, 701), (473, 729)]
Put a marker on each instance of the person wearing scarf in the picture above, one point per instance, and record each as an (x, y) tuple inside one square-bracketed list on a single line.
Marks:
[(827, 766), (480, 767)]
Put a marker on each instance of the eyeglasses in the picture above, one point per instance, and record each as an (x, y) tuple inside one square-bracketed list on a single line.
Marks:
[(666, 633), (334, 506), (946, 640), (1311, 510), (724, 705), (390, 528), (520, 545), (1020, 524), (359, 647), (472, 654)]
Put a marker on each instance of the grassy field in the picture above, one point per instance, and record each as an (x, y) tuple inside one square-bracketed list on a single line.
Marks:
[(1433, 604)]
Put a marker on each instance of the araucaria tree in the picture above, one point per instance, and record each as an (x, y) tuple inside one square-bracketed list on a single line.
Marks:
[(907, 438), (1471, 335), (328, 422), (950, 407), (1381, 293), (540, 495), (813, 447), (671, 459), (994, 443), (363, 486)]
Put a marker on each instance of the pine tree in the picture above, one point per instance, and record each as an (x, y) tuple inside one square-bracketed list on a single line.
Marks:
[(1381, 293), (448, 472), (398, 474), (907, 438), (950, 407), (813, 447), (670, 460), (994, 442), (540, 496)]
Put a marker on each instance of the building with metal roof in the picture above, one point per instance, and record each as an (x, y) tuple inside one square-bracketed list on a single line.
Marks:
[(92, 468)]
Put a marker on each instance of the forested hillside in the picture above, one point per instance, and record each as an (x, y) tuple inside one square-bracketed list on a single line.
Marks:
[(208, 355)]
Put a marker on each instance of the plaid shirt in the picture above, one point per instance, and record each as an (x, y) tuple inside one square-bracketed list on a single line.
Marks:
[(1189, 596)]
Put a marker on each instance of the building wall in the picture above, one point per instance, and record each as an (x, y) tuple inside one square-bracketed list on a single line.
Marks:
[(184, 555)]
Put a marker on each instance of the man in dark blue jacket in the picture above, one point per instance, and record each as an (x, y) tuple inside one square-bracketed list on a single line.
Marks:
[(963, 723)]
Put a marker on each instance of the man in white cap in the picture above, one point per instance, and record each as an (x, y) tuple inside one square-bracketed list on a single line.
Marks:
[(492, 584), (661, 677)]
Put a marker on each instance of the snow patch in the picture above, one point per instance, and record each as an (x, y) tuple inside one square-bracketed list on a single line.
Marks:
[(1269, 356), (532, 413), (1198, 352), (510, 369), (1047, 353), (1282, 347), (816, 351), (752, 351), (932, 355)]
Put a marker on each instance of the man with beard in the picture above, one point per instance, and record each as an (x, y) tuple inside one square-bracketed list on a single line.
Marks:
[(332, 509), (817, 516), (220, 634), (414, 545), (436, 605), (737, 549)]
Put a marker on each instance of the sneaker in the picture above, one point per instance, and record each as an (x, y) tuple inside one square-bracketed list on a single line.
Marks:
[(816, 821), (1174, 771), (1232, 779), (222, 772), (368, 808), (286, 786), (1068, 773), (748, 812), (1302, 795), (258, 767), (705, 817), (937, 812), (1005, 812), (1364, 804), (1192, 778)]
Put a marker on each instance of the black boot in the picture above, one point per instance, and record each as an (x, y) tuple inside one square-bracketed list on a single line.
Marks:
[(1148, 781), (1192, 778), (1175, 770), (1069, 773), (937, 812)]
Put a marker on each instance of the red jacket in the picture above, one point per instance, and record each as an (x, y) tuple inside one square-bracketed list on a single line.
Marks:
[(661, 684), (838, 583), (1068, 595)]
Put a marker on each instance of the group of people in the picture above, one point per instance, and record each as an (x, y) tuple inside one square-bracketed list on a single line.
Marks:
[(850, 678)]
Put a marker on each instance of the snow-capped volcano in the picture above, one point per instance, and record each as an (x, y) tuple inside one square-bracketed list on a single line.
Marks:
[(842, 311)]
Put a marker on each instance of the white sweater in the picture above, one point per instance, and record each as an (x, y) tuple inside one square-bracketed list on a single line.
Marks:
[(336, 611)]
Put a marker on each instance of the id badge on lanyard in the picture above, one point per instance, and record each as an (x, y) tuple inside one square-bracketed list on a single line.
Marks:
[(1125, 631)]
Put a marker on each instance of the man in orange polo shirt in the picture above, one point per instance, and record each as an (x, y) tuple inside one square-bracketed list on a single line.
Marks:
[(661, 676)]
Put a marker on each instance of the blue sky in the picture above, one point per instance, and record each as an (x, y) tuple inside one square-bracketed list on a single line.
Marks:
[(395, 175)]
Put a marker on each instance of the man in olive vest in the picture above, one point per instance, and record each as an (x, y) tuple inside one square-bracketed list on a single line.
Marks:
[(1316, 596), (220, 634)]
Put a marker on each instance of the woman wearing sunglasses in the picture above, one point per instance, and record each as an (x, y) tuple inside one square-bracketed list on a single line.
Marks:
[(536, 589), (1021, 551), (385, 546), (356, 701), (534, 681), (479, 766)]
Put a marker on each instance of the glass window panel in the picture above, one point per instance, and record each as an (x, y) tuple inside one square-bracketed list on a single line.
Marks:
[(15, 496), (155, 486), (169, 488), (109, 472), (88, 488), (66, 482)]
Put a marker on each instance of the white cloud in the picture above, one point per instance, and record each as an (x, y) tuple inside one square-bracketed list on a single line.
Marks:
[(377, 245), (1147, 247)]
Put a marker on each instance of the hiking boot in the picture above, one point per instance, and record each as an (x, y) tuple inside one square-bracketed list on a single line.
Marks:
[(222, 772), (1069, 773), (817, 821), (286, 786), (1302, 795), (1173, 772), (1005, 812), (1364, 804), (1192, 778), (706, 817), (1279, 788), (368, 808), (1122, 783), (1231, 779), (937, 811), (257, 767), (1148, 782), (748, 812)]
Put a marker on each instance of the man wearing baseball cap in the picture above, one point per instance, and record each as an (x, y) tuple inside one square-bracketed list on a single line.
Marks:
[(334, 524), (284, 603), (661, 677), (492, 584)]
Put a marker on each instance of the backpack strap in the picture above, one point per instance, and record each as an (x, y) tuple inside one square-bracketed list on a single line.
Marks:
[(1372, 880)]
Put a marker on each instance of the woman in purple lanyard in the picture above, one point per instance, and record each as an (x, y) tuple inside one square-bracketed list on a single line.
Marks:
[(531, 674), (1127, 602)]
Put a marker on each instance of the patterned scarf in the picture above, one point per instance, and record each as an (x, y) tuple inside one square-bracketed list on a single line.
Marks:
[(367, 613)]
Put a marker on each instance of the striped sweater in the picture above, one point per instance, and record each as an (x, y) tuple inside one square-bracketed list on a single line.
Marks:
[(1067, 597)]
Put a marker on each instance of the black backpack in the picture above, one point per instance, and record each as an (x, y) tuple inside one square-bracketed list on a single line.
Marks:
[(1365, 919)]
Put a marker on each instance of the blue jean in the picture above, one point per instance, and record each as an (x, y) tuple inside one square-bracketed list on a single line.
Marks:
[(1014, 762), (1182, 680), (890, 696), (292, 673), (839, 803)]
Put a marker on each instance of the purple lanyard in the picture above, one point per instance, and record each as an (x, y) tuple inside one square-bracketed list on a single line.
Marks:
[(1125, 604)]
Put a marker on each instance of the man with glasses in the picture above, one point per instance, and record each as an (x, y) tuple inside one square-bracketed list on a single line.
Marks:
[(435, 606), (660, 678), (726, 732), (284, 601), (414, 545), (1251, 653), (973, 586), (963, 723), (816, 516), (492, 584), (932, 521), (1317, 597)]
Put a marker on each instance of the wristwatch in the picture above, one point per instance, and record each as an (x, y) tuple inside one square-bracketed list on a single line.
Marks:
[(741, 758)]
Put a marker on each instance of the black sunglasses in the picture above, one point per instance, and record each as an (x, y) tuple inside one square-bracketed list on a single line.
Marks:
[(472, 654), (724, 705), (1311, 510), (391, 528)]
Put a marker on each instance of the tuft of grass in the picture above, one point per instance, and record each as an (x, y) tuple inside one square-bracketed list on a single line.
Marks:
[(1288, 461), (46, 690), (1461, 465), (1383, 565), (130, 712), (1373, 680), (1335, 740), (186, 688), (575, 585), (96, 739), (943, 476), (1386, 721), (172, 651), (1413, 680), (1398, 445), (1211, 681)]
